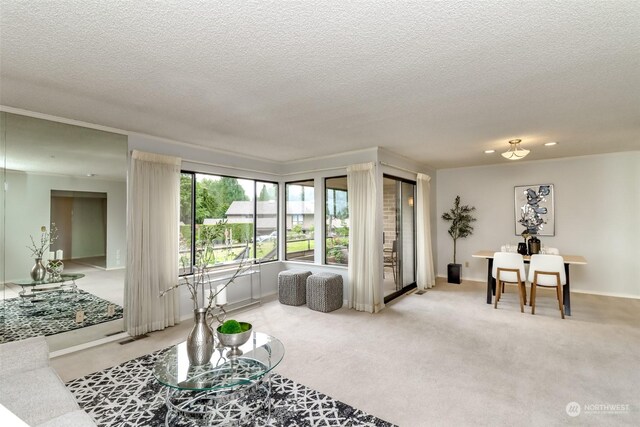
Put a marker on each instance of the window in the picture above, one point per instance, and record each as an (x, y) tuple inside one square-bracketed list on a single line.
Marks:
[(223, 213), (297, 219), (337, 221), (299, 210), (267, 221)]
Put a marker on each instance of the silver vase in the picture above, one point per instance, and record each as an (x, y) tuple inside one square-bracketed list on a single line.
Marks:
[(200, 339), (38, 272)]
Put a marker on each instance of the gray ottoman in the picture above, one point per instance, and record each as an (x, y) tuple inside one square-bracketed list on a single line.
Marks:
[(291, 287), (324, 292)]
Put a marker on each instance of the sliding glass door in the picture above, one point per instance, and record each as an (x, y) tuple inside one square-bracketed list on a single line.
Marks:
[(399, 236)]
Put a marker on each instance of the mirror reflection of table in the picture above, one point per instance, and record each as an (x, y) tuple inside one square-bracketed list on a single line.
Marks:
[(47, 285), (227, 389), (566, 289)]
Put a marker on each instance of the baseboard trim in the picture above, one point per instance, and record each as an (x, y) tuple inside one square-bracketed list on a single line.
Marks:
[(573, 290), (89, 344), (605, 294)]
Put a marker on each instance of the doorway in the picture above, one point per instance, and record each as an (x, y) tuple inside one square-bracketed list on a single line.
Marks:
[(81, 220), (399, 230)]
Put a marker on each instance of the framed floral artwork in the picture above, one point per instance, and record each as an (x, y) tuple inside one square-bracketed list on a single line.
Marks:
[(534, 210)]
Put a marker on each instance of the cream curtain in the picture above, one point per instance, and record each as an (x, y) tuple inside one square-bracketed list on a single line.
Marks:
[(425, 275), (365, 293), (152, 242)]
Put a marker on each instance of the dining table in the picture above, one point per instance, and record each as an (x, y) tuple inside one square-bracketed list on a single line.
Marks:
[(566, 289)]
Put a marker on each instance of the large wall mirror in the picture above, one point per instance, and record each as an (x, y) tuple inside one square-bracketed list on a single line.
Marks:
[(64, 234)]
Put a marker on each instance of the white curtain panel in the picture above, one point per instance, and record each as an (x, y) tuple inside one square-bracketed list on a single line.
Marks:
[(152, 242), (365, 293), (425, 275)]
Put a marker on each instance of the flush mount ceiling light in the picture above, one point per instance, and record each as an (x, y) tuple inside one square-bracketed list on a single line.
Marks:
[(515, 152), (549, 144), (489, 151)]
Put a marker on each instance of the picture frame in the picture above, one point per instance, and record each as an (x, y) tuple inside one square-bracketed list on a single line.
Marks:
[(534, 209)]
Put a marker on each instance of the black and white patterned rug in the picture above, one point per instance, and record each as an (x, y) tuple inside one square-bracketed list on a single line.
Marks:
[(129, 395), (52, 312)]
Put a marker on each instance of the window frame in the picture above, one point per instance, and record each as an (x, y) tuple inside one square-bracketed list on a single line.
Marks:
[(326, 194), (285, 242), (193, 174)]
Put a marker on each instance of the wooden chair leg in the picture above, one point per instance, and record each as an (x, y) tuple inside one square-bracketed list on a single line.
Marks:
[(530, 294), (524, 292), (521, 297), (533, 297), (502, 286), (560, 299), (498, 291)]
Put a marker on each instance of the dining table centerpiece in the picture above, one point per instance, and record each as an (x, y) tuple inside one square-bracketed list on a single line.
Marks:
[(200, 341)]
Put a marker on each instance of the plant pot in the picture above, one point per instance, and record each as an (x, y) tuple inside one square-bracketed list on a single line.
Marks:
[(235, 340), (453, 273)]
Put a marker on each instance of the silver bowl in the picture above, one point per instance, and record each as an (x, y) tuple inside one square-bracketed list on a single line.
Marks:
[(234, 340)]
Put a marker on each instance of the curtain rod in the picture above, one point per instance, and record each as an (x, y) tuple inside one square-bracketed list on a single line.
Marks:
[(314, 170), (264, 172), (230, 167), (399, 168)]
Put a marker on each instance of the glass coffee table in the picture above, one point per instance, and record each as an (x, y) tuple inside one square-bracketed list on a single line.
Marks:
[(65, 280), (226, 391)]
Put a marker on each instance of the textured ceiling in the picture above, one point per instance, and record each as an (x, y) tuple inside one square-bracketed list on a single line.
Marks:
[(438, 82)]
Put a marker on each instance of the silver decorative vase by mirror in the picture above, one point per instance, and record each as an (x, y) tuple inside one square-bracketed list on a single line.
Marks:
[(38, 272), (200, 339)]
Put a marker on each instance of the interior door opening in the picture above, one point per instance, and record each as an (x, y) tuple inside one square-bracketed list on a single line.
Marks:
[(81, 220)]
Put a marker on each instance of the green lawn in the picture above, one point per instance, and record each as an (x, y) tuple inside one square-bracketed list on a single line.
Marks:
[(299, 246)]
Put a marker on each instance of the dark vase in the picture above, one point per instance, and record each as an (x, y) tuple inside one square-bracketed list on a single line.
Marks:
[(522, 248), (534, 246)]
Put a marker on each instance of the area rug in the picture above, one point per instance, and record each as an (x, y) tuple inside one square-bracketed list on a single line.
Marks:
[(52, 312), (129, 395)]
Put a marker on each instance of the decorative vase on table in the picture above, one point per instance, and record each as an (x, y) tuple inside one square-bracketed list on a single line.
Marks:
[(38, 272), (534, 245), (200, 340), (54, 268)]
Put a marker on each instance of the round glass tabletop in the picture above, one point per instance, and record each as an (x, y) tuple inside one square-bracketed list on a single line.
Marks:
[(260, 354)]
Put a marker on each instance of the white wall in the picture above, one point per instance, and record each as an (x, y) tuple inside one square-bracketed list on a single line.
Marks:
[(597, 205), (28, 206)]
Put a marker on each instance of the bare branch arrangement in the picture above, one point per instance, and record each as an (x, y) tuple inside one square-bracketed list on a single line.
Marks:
[(201, 277)]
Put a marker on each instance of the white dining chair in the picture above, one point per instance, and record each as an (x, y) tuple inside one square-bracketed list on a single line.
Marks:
[(509, 267), (547, 271)]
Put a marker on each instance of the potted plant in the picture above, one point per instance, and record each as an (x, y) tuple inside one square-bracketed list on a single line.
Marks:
[(461, 219)]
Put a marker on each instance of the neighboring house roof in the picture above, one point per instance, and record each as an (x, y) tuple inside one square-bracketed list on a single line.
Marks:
[(269, 208)]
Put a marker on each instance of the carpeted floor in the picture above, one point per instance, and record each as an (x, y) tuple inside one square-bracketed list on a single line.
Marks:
[(51, 313), (129, 395), (446, 357)]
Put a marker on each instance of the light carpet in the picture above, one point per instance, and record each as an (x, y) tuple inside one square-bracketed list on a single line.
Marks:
[(446, 357)]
